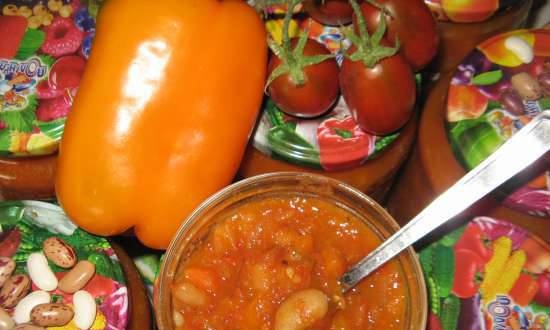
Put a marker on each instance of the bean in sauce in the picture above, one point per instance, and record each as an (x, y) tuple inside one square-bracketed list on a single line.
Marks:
[(280, 251)]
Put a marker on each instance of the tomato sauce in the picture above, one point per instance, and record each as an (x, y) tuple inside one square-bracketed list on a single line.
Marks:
[(259, 253)]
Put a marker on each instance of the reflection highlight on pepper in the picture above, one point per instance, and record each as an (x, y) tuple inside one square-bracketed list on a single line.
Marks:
[(143, 79)]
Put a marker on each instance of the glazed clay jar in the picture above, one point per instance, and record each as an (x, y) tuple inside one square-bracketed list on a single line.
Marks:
[(45, 46), (464, 24), (331, 144), (469, 114)]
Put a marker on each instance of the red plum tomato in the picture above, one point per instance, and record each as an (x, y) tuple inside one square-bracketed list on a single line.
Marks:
[(329, 12), (381, 98), (410, 21), (316, 95)]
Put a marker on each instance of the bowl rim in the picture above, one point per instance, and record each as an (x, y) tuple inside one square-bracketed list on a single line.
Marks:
[(163, 278)]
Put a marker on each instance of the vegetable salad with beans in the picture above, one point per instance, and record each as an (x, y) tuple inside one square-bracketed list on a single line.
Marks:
[(55, 276), (274, 263)]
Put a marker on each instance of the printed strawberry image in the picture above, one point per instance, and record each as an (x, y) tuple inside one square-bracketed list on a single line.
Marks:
[(12, 30)]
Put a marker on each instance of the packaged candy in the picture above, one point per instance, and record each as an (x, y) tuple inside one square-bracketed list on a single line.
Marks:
[(44, 48)]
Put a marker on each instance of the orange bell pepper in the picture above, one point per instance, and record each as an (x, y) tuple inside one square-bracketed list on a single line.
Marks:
[(164, 110)]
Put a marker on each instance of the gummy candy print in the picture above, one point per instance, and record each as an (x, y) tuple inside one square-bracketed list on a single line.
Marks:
[(44, 48)]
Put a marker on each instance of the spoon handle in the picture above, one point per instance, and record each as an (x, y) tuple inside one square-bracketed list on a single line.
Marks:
[(522, 149)]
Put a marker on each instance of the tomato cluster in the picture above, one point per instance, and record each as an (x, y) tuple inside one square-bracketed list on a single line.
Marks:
[(391, 39)]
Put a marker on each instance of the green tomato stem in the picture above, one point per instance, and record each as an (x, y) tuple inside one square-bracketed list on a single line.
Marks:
[(369, 48), (286, 24), (293, 61), (362, 24)]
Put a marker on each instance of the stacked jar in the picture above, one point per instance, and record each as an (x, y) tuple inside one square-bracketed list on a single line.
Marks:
[(45, 45), (487, 274), (464, 24), (495, 91), (337, 143)]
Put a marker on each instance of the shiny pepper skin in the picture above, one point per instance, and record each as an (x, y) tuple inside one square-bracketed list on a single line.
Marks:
[(162, 117)]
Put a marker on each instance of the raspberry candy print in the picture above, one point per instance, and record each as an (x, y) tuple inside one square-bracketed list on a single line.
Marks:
[(62, 37), (45, 91), (51, 109)]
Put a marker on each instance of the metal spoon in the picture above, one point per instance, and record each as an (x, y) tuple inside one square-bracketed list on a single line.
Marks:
[(522, 149)]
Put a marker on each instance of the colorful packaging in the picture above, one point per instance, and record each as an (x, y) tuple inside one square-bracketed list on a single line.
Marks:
[(468, 11), (43, 51), (489, 274), (495, 91), (148, 266), (330, 142), (38, 241)]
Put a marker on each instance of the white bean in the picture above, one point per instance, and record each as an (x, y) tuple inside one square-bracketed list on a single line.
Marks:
[(22, 313), (85, 309), (520, 48), (178, 319), (301, 310), (6, 322), (189, 294), (40, 272)]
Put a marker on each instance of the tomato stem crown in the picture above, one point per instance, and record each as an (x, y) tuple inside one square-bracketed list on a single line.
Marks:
[(293, 61), (369, 48)]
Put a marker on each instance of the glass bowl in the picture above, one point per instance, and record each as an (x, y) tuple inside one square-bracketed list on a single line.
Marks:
[(195, 228)]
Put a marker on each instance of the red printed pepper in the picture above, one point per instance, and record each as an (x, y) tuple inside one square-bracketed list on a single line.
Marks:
[(342, 144), (524, 290), (468, 266), (433, 322), (473, 239)]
